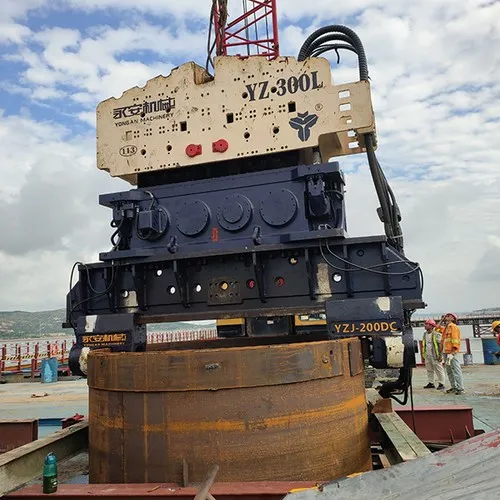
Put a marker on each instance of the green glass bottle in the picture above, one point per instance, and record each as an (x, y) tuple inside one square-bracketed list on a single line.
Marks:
[(50, 474)]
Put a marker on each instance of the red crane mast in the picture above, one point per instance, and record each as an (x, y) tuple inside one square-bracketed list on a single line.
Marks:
[(253, 33)]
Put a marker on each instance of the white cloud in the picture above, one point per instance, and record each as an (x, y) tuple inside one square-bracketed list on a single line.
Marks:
[(12, 9), (435, 80), (13, 32), (186, 7), (50, 215), (450, 228), (88, 117), (46, 93), (90, 68)]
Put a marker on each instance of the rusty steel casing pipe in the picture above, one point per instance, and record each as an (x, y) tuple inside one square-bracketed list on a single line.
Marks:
[(261, 413)]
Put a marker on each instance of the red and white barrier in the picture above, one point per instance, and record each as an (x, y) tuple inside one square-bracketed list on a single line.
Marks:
[(17, 357)]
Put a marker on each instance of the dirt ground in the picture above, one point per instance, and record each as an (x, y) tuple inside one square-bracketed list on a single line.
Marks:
[(36, 400)]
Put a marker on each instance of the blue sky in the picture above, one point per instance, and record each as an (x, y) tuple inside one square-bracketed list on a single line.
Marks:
[(436, 97)]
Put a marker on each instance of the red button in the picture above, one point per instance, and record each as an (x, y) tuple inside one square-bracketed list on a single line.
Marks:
[(250, 284), (220, 146), (193, 150)]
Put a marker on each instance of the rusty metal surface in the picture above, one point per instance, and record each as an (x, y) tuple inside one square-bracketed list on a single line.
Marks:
[(272, 490), (355, 360), (15, 433), (309, 422), (440, 424), (205, 369)]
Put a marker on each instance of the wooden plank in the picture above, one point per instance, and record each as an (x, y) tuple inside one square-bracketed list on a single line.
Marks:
[(411, 438), (21, 465), (403, 444), (384, 461), (399, 450)]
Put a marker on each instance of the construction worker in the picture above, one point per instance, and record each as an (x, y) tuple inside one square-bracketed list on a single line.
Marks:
[(450, 347), (431, 352), (495, 326)]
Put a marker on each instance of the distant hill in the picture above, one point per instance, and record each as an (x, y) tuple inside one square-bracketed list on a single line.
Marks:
[(18, 324), (23, 324)]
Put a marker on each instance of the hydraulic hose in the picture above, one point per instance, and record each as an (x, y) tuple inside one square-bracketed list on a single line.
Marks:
[(325, 48), (380, 185), (331, 37), (315, 45), (354, 39)]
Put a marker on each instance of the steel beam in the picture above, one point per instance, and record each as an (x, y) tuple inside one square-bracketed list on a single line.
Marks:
[(440, 424), (21, 465), (15, 433), (268, 490)]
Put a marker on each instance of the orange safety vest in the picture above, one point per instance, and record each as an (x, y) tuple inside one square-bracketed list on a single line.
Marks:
[(450, 342)]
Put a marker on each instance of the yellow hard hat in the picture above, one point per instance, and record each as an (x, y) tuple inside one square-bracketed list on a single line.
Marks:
[(495, 325)]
